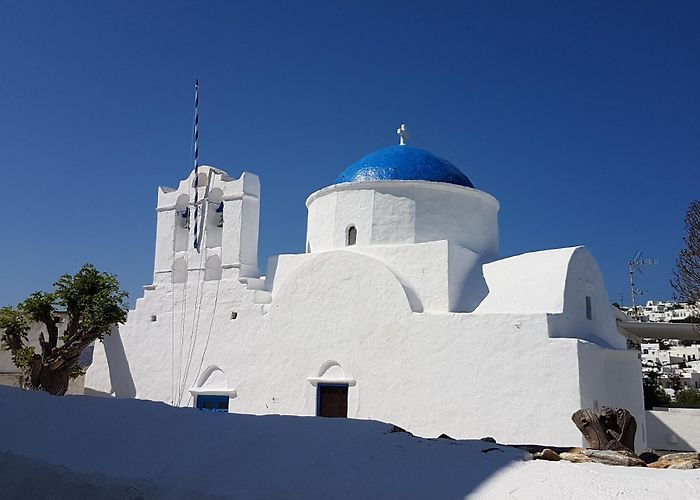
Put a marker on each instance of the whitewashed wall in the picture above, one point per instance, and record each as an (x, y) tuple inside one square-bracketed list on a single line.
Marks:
[(674, 429)]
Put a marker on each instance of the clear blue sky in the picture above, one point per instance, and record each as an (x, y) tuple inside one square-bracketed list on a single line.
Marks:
[(582, 118)]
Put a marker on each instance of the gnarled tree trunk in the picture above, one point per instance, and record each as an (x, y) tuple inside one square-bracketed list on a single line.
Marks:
[(610, 429)]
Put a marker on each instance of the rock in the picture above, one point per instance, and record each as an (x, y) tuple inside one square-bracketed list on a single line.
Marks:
[(626, 452), (445, 436), (575, 450), (659, 465), (488, 439), (547, 454), (649, 457), (684, 464), (688, 460), (576, 458), (689, 455), (610, 457)]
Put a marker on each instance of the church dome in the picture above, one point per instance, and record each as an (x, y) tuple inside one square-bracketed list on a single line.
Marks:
[(403, 163)]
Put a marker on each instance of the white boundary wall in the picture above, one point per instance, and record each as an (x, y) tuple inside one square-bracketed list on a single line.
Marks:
[(674, 429)]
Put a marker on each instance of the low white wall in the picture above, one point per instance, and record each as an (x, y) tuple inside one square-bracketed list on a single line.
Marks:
[(675, 429)]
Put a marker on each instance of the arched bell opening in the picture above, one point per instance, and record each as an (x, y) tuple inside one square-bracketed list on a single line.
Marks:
[(215, 218), (182, 222), (200, 180)]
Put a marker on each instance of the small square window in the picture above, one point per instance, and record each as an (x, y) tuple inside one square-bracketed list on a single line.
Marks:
[(589, 308)]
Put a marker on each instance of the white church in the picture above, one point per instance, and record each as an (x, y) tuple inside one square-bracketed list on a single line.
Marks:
[(400, 310)]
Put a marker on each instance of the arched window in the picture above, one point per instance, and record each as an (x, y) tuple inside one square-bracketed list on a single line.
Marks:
[(351, 236)]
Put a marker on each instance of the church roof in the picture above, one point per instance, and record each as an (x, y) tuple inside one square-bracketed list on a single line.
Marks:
[(403, 163)]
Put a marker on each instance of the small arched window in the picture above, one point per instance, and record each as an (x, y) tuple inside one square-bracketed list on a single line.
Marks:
[(351, 236)]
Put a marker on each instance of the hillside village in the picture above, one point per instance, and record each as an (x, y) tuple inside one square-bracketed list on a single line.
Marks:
[(673, 364)]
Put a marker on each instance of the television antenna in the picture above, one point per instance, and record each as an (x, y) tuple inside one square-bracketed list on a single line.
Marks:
[(635, 265)]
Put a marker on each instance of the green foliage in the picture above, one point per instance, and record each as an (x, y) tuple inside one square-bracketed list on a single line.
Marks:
[(654, 395), (676, 382), (39, 306), (21, 357), (94, 304), (14, 322), (15, 325), (92, 298), (688, 396)]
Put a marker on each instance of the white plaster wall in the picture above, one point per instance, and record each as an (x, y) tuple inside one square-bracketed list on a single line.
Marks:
[(438, 276), (583, 278), (352, 208), (429, 373), (554, 282), (399, 212), (529, 283), (675, 429), (613, 378), (422, 270), (322, 220), (395, 219), (241, 223), (466, 282)]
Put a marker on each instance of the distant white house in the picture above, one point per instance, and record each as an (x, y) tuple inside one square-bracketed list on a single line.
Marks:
[(675, 360), (400, 310), (666, 312)]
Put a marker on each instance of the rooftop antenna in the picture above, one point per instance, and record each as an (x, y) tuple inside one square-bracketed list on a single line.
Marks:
[(196, 161), (635, 265)]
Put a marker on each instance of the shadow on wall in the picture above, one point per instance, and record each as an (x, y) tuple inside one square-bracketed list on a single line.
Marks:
[(119, 370), (474, 290), (662, 437)]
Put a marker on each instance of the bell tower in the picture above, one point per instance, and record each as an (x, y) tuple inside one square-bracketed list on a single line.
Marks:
[(208, 223)]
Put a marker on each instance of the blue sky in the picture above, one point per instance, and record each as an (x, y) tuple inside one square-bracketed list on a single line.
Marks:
[(582, 118)]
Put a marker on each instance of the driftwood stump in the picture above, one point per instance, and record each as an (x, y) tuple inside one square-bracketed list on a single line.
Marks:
[(609, 429)]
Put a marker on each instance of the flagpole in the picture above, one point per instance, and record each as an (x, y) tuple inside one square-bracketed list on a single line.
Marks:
[(196, 161)]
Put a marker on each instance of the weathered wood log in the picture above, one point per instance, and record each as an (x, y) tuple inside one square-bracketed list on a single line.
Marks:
[(610, 429), (592, 429), (620, 425)]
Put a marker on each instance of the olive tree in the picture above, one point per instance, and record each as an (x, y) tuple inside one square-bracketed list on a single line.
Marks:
[(93, 305)]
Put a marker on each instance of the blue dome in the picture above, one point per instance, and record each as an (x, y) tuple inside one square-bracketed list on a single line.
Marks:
[(403, 163)]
